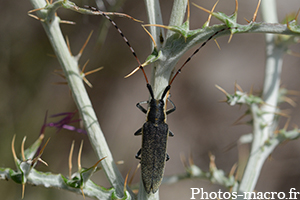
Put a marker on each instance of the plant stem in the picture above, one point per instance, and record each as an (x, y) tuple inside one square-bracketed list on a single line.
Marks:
[(69, 65), (264, 122), (161, 73)]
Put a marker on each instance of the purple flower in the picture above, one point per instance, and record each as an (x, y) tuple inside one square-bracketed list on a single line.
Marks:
[(64, 123)]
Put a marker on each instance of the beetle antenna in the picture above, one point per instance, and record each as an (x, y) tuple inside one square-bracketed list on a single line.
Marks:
[(165, 92), (196, 51), (150, 89)]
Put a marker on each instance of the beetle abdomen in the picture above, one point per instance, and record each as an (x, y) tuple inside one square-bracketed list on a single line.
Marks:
[(153, 155)]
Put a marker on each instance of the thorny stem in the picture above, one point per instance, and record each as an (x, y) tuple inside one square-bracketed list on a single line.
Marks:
[(155, 17), (70, 67), (264, 126), (160, 72)]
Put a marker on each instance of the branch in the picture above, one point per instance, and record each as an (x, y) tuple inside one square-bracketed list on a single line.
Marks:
[(69, 65), (264, 125)]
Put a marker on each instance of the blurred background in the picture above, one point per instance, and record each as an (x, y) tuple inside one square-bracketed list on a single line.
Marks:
[(201, 123)]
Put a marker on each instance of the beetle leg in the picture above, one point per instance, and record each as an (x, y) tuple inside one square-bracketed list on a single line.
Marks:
[(171, 109), (171, 134), (138, 132), (141, 107), (137, 156), (167, 157)]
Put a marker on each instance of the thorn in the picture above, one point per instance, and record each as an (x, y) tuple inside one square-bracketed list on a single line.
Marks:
[(125, 182), (276, 132), (255, 13), (120, 162), (158, 25), (135, 171), (230, 146), (42, 150), (57, 70), (79, 156), (95, 165), (235, 87), (58, 73), (230, 37), (60, 83), (251, 90), (183, 160), (296, 17), (154, 43), (42, 161), (234, 167), (212, 164), (282, 114), (246, 20), (223, 101), (84, 66), (82, 193), (13, 149), (210, 15), (34, 16), (236, 176), (131, 73), (40, 154), (41, 136), (270, 158), (222, 90), (23, 190), (217, 44), (70, 160), (84, 45), (293, 92), (66, 22), (136, 69), (22, 149), (287, 123), (68, 44), (239, 87), (208, 11), (296, 54), (93, 71), (188, 11), (290, 101), (34, 10), (236, 6), (240, 118), (88, 73)]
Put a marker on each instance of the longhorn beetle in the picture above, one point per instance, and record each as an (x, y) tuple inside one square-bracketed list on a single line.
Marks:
[(155, 131)]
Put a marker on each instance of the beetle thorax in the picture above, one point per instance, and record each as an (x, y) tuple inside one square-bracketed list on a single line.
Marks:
[(156, 112)]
